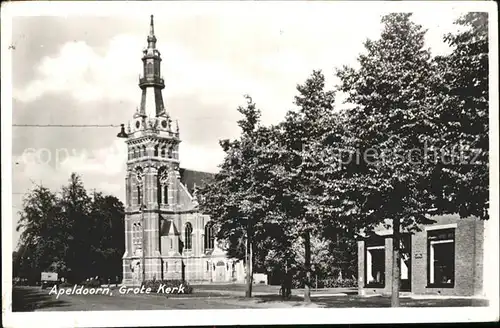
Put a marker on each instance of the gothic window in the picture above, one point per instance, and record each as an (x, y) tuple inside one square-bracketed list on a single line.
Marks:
[(136, 234), (187, 236), (139, 178), (144, 152), (156, 150), (209, 236), (149, 68), (136, 153), (139, 196), (163, 152), (169, 152), (163, 186)]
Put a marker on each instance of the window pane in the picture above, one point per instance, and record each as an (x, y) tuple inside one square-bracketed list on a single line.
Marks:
[(441, 256), (376, 266), (443, 263)]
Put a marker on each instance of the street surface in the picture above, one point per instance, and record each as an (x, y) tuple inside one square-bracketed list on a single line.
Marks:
[(209, 297)]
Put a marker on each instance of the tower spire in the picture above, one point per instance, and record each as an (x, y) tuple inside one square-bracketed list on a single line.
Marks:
[(151, 36), (151, 82), (151, 28)]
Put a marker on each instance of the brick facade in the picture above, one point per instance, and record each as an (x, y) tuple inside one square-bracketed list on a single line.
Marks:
[(468, 259)]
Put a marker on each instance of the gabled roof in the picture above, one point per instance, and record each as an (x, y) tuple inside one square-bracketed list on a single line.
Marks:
[(166, 226), (190, 177)]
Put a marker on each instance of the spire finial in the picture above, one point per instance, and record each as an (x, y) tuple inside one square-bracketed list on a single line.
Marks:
[(151, 27)]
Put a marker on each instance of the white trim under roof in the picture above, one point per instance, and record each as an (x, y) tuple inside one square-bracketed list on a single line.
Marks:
[(441, 226)]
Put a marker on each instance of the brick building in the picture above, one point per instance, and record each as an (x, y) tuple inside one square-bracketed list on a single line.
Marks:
[(445, 258), (166, 237)]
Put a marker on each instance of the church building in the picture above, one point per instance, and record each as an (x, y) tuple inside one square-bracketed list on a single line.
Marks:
[(166, 237)]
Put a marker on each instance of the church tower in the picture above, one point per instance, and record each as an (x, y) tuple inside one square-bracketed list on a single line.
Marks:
[(152, 178), (166, 237)]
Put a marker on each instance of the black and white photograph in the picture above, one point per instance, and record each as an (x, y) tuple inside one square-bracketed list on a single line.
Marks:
[(249, 162)]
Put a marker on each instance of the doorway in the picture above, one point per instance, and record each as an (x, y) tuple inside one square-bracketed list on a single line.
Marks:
[(220, 272)]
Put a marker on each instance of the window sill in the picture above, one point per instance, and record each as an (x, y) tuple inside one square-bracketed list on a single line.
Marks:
[(374, 286), (452, 285)]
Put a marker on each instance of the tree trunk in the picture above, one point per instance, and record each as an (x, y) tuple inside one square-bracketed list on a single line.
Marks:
[(307, 289), (396, 262), (248, 292)]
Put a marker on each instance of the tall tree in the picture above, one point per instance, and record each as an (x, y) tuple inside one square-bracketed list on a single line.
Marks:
[(76, 206), (107, 241), (233, 200), (72, 234), (390, 126), (463, 98), (301, 129), (44, 232)]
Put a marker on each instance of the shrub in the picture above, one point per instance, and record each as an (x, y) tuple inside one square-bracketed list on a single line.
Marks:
[(65, 284), (328, 283), (339, 283), (91, 283), (155, 284)]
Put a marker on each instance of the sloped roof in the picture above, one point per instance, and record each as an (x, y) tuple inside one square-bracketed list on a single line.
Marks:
[(190, 177), (165, 228)]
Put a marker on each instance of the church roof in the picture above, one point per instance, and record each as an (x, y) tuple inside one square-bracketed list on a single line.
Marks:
[(166, 226), (189, 178)]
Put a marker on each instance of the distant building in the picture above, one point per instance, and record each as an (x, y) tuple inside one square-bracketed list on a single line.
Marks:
[(177, 240), (445, 258)]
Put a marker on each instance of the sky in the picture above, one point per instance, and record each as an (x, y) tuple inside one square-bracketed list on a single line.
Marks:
[(84, 69)]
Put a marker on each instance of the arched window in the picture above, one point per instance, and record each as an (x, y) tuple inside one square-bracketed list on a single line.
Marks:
[(170, 153), (209, 236), (165, 194), (149, 68), (163, 152), (156, 150), (144, 151), (139, 180), (187, 236)]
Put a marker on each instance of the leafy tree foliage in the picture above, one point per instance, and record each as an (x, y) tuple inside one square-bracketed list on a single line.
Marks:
[(70, 233), (233, 200), (462, 104), (389, 128)]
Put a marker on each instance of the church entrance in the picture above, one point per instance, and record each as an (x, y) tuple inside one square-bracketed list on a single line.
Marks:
[(220, 272)]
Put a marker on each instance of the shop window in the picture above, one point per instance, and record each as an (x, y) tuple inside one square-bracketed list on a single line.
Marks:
[(375, 263), (441, 258)]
